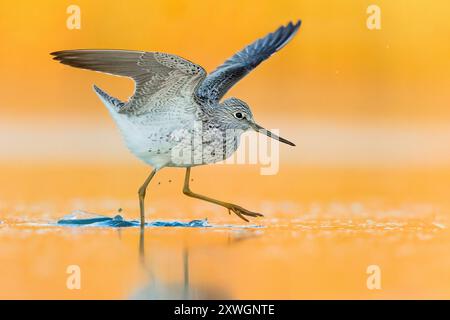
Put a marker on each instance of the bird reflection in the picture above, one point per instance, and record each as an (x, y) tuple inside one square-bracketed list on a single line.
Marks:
[(155, 289)]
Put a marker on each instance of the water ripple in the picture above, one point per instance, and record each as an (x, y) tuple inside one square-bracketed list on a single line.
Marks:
[(80, 219), (85, 219)]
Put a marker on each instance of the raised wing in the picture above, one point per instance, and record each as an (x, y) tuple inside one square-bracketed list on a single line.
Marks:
[(216, 84), (158, 77)]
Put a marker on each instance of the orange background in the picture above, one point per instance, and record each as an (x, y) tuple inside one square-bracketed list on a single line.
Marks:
[(368, 182), (335, 68)]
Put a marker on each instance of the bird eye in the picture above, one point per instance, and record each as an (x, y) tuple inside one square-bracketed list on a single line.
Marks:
[(238, 115)]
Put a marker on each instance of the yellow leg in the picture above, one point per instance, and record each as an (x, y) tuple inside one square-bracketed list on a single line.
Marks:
[(141, 193), (239, 211)]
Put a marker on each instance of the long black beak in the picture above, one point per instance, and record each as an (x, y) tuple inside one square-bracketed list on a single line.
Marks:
[(260, 129)]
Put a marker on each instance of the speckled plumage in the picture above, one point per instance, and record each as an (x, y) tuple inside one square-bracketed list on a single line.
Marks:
[(175, 117), (173, 95)]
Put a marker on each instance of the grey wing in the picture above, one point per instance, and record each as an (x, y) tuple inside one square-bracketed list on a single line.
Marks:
[(158, 76), (217, 83)]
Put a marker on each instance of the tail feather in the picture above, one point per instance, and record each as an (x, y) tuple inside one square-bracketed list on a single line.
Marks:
[(108, 100)]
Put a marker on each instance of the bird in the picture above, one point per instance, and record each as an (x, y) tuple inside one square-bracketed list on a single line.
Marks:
[(176, 116)]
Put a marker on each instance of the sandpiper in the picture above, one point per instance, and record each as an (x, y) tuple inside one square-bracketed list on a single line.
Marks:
[(175, 100)]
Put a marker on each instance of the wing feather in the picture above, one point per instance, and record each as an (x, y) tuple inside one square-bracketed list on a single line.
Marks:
[(158, 76), (217, 83)]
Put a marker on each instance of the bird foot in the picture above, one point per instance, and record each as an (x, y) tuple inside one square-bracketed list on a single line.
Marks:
[(241, 212)]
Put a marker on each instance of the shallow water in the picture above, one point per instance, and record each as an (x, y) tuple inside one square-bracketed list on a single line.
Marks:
[(85, 219), (314, 242)]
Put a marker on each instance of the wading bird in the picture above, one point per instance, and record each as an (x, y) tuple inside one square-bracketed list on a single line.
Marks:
[(172, 96)]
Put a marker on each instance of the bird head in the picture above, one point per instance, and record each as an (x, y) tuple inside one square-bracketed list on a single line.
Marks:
[(237, 115)]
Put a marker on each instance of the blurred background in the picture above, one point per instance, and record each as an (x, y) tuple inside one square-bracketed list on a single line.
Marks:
[(379, 95), (368, 110)]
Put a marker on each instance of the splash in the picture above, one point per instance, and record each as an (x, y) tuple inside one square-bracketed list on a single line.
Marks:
[(83, 219)]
